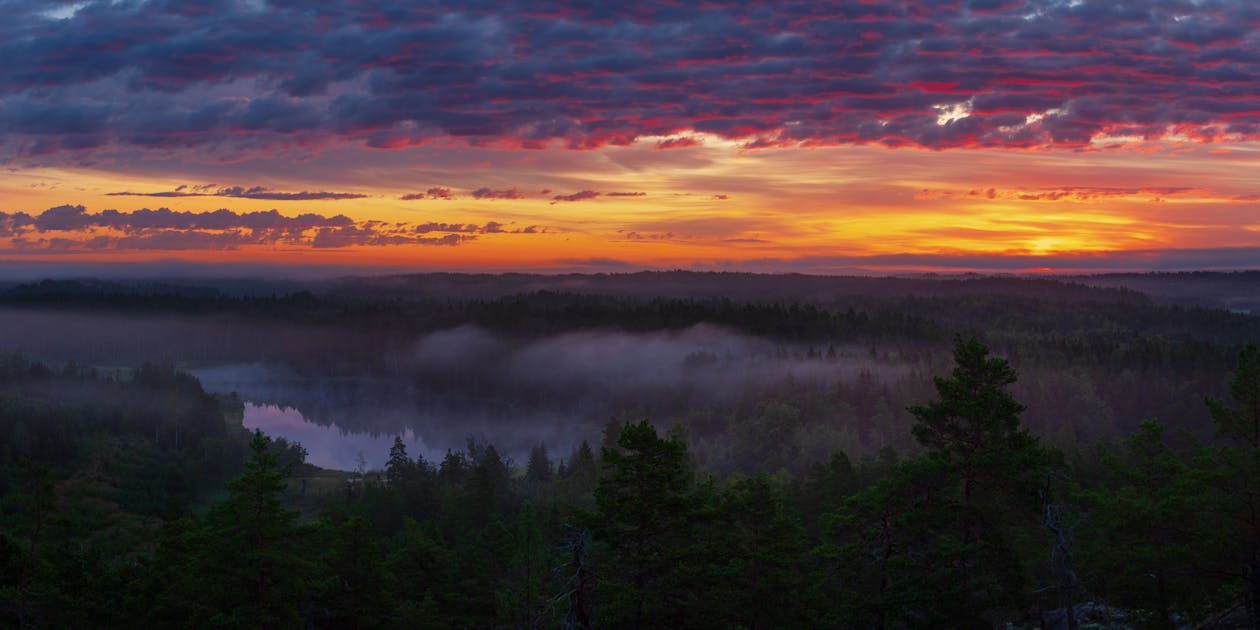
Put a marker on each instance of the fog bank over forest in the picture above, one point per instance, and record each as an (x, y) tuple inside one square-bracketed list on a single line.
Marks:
[(760, 371), (558, 389)]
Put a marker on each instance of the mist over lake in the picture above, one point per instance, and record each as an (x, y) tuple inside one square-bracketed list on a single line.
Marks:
[(470, 382)]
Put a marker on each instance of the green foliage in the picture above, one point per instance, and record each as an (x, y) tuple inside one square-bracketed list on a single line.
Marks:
[(1235, 470), (975, 413), (525, 583), (761, 553), (905, 552), (1136, 543), (644, 507), (424, 585), (354, 589), (253, 547), (539, 470), (1241, 425), (934, 531), (948, 536)]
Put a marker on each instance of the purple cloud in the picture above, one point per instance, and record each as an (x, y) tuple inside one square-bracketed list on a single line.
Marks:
[(240, 192), (436, 192), (577, 196), (238, 78), (72, 228), (487, 193)]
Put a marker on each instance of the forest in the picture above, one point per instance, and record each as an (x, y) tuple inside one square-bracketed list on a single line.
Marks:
[(983, 452)]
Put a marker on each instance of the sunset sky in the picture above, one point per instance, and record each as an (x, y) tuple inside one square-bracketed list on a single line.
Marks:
[(820, 137)]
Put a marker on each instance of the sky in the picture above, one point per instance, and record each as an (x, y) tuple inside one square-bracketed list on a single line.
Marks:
[(815, 137)]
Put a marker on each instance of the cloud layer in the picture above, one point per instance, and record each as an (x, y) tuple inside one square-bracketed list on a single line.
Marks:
[(72, 228), (257, 75), (241, 192)]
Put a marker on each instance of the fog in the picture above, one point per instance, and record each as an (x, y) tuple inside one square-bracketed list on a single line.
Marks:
[(449, 385), (703, 363), (470, 382)]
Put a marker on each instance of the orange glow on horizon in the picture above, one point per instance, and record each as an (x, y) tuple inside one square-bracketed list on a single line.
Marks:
[(707, 203)]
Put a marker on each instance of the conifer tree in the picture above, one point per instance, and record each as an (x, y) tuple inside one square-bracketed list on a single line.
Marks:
[(254, 546), (538, 470), (399, 467), (934, 532), (1239, 464), (643, 504), (975, 423), (1149, 539)]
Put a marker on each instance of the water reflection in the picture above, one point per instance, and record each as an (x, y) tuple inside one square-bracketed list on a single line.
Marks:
[(328, 446), (337, 418)]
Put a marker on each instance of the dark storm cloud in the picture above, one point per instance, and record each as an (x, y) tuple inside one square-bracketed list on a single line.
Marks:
[(73, 228), (256, 76)]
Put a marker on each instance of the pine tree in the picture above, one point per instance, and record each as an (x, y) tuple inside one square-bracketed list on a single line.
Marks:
[(524, 582), (764, 548), (1150, 540), (399, 467), (538, 470), (974, 429), (643, 507), (936, 527), (1238, 463), (1241, 425), (355, 579), (582, 469), (254, 546)]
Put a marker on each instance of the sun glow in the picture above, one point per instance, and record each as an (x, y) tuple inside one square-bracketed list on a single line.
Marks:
[(679, 200)]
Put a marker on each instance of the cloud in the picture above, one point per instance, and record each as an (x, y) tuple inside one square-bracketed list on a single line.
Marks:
[(12, 224), (72, 218), (425, 228), (240, 192), (487, 193), (436, 192), (678, 143), (254, 78), (1070, 193), (353, 235), (648, 236), (625, 194), (72, 228), (582, 195)]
